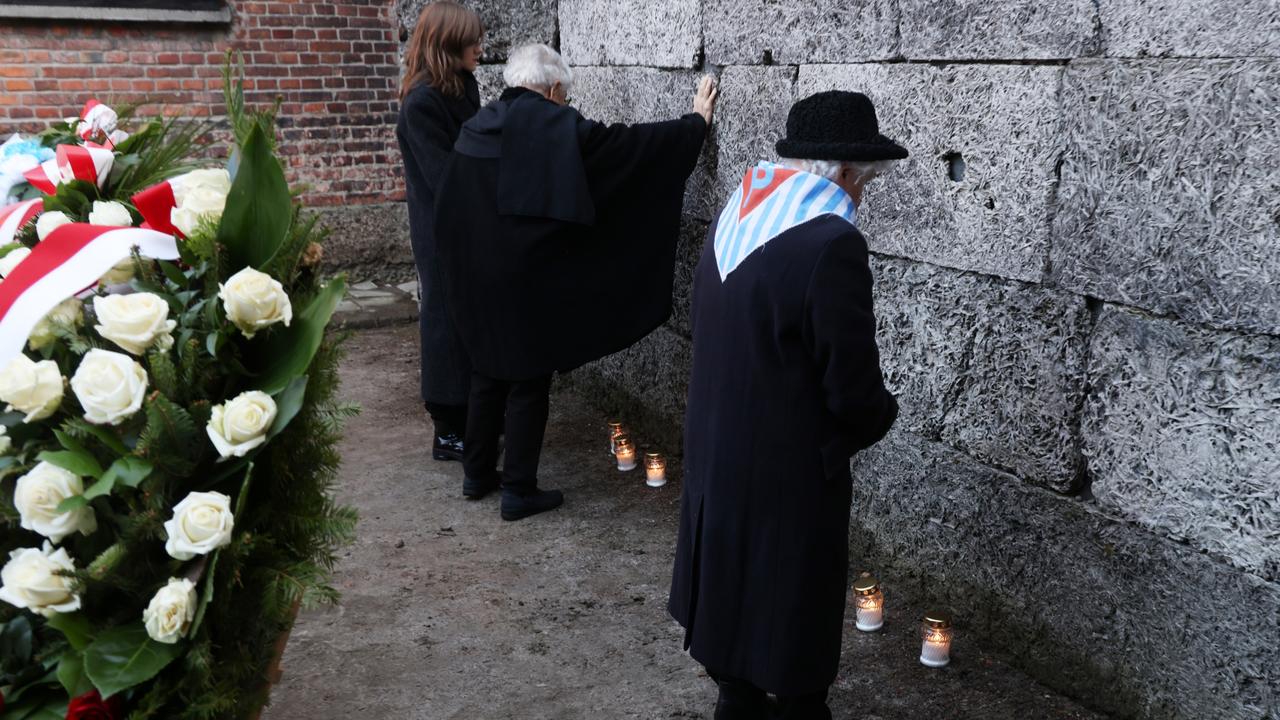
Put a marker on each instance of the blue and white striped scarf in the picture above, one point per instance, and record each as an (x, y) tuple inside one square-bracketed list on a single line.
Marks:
[(771, 200)]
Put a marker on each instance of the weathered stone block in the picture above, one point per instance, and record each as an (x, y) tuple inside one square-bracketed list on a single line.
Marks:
[(995, 368), (636, 95), (371, 242), (508, 23), (657, 33), (1095, 607), (984, 140), (751, 116), (489, 78), (998, 29), (1182, 434), (1170, 194), (753, 32), (1190, 28)]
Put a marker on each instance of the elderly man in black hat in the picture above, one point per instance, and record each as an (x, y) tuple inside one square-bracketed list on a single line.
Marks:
[(786, 388)]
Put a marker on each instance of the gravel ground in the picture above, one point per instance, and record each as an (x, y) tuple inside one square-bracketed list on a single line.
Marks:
[(449, 612)]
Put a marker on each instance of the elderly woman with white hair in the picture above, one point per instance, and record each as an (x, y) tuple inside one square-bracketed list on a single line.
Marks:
[(557, 247), (786, 387)]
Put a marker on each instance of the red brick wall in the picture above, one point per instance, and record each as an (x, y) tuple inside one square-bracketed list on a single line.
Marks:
[(334, 64)]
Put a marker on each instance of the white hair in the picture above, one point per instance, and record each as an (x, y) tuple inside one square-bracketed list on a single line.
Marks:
[(830, 169), (537, 67)]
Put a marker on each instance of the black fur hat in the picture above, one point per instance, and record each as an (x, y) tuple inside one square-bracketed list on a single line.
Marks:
[(836, 125)]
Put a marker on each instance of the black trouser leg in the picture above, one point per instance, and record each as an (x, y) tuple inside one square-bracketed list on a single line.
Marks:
[(484, 424), (528, 405), (740, 700), (804, 707), (448, 419)]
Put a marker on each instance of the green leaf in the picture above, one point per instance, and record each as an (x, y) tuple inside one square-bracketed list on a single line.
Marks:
[(69, 442), (104, 433), (129, 470), (125, 656), (72, 676), (173, 273), (41, 707), (76, 461), (288, 404), (259, 209), (75, 626), (288, 351), (16, 644)]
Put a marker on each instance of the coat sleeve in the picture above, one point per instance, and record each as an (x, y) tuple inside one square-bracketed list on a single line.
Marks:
[(620, 158), (427, 137), (840, 330)]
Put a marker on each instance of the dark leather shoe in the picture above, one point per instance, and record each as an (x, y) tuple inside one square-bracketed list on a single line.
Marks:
[(516, 506), (447, 447), (473, 489)]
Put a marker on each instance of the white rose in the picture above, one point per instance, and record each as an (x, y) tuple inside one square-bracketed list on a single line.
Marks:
[(30, 580), (201, 523), (38, 495), (198, 195), (254, 300), (119, 274), (110, 386), (34, 388), (67, 314), (11, 260), (241, 425), (5, 441), (171, 610), (111, 214), (49, 221), (135, 322)]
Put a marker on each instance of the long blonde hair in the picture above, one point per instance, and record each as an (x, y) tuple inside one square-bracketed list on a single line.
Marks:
[(445, 30)]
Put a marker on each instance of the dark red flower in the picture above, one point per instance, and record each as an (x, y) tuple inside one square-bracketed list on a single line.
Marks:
[(91, 706)]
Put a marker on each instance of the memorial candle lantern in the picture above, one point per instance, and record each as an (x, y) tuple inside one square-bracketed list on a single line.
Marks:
[(615, 431), (655, 468), (936, 631), (625, 451), (870, 603)]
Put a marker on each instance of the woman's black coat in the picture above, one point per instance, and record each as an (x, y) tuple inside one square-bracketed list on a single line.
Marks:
[(428, 126), (558, 234), (786, 387)]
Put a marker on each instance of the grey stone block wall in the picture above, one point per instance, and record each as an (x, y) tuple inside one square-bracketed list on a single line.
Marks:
[(1078, 304), (1182, 433), (1170, 195)]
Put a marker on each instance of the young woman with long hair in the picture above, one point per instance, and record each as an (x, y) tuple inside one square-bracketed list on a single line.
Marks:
[(438, 94)]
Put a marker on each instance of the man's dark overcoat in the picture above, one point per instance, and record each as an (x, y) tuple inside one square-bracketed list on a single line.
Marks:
[(558, 233), (428, 126), (786, 387)]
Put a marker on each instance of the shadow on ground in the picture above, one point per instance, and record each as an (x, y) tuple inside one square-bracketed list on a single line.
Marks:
[(448, 612)]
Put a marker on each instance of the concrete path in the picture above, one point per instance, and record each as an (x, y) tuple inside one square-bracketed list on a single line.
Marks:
[(448, 612)]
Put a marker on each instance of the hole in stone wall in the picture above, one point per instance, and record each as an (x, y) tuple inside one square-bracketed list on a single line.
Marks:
[(768, 57), (991, 203), (955, 166)]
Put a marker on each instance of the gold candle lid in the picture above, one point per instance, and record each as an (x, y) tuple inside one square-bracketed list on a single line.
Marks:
[(866, 584), (622, 441), (653, 456), (940, 619)]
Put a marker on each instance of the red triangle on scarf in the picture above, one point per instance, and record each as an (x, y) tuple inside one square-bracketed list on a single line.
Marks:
[(757, 186)]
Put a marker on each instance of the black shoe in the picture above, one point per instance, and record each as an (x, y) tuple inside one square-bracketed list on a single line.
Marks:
[(447, 447), (517, 507), (473, 489)]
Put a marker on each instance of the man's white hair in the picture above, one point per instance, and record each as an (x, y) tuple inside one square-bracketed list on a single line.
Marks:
[(831, 169), (537, 67)]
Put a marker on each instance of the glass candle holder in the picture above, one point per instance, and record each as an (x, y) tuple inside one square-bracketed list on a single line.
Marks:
[(615, 431), (655, 469), (936, 631), (625, 451), (869, 600)]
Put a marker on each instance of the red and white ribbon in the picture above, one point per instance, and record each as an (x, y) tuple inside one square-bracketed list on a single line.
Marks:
[(156, 204), (89, 162), (15, 216), (71, 257)]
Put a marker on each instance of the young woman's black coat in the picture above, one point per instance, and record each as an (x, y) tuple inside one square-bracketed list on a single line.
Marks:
[(428, 126)]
